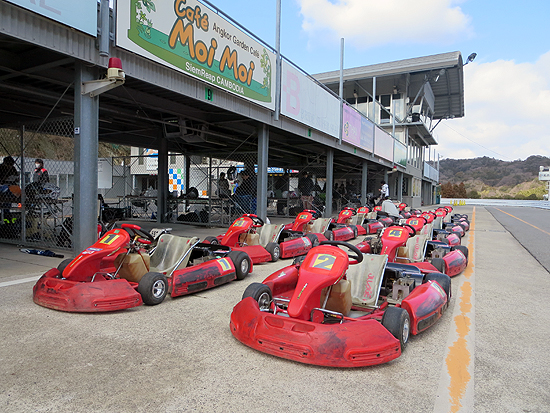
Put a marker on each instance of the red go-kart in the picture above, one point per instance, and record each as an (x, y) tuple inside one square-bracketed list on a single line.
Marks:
[(324, 311), (402, 245), (115, 273), (355, 218), (264, 242)]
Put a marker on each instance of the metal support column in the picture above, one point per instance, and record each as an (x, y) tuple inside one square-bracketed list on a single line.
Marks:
[(263, 153), (162, 184), (330, 183), (364, 177), (400, 187), (86, 125)]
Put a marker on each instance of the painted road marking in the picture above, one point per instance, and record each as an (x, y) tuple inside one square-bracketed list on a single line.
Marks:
[(21, 281), (525, 222), (456, 386)]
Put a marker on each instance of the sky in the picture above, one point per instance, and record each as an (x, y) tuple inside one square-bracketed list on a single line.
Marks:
[(506, 88)]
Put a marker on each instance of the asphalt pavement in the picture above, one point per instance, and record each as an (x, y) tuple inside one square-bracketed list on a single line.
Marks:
[(488, 353)]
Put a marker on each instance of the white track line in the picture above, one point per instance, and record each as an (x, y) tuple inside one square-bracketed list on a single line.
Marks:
[(21, 281)]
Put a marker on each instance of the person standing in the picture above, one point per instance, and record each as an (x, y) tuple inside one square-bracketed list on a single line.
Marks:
[(40, 173), (245, 193), (384, 191), (305, 186), (8, 173), (281, 191)]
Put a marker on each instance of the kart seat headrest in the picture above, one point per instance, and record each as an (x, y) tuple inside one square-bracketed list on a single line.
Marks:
[(366, 278), (171, 251)]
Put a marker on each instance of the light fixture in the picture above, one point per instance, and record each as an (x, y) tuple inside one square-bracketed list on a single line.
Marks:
[(115, 77), (355, 95), (470, 58), (441, 73)]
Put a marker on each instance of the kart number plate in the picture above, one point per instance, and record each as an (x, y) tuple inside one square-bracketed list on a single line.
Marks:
[(109, 239), (324, 262), (395, 233)]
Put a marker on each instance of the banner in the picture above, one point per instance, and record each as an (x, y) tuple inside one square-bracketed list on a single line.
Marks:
[(305, 101), (68, 12), (383, 144), (191, 38), (351, 128), (367, 134)]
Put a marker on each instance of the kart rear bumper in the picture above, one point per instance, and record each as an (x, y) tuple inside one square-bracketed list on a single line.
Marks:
[(350, 344), (86, 297)]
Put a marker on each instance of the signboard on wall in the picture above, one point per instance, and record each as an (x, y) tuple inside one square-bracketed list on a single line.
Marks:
[(305, 101), (367, 134), (351, 127), (68, 12), (383, 144), (191, 38)]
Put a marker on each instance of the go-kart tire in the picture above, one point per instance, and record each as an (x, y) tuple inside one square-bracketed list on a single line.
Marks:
[(398, 323), (460, 234), (153, 288), (212, 240), (463, 249), (314, 239), (329, 235), (274, 250), (242, 263), (261, 293), (445, 240), (439, 264), (62, 265), (355, 233), (443, 280)]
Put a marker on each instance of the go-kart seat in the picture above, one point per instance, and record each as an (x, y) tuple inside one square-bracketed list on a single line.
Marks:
[(172, 252), (415, 250), (248, 238), (366, 279), (427, 230), (269, 233), (320, 225)]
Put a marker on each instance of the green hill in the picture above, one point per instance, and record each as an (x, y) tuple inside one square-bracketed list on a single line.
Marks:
[(492, 178)]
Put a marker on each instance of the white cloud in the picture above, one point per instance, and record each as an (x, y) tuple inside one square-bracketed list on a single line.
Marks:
[(507, 107), (369, 23)]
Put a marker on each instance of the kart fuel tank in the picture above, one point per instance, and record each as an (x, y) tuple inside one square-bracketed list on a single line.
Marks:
[(134, 266)]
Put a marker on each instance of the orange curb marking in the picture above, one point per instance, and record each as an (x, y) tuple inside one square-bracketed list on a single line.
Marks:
[(458, 359)]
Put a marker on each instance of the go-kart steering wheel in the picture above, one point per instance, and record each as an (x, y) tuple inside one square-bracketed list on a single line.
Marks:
[(358, 257), (353, 210), (314, 214), (409, 228), (256, 220), (143, 236)]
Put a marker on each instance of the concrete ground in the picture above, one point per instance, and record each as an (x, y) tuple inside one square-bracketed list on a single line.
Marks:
[(488, 353)]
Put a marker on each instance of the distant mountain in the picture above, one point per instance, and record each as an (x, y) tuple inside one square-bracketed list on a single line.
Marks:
[(492, 178)]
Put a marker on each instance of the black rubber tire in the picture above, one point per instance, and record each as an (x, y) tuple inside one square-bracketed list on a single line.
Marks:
[(242, 263), (212, 240), (314, 239), (398, 323), (355, 232), (445, 240), (153, 288), (261, 293), (329, 235), (462, 249), (439, 264), (275, 250), (443, 280), (63, 264)]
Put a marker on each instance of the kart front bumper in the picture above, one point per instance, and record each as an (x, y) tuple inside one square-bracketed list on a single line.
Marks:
[(354, 343), (84, 297)]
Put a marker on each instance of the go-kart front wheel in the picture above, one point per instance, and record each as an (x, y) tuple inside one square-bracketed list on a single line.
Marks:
[(397, 321), (463, 249), (62, 265), (439, 264), (242, 263), (261, 293), (443, 280), (153, 288)]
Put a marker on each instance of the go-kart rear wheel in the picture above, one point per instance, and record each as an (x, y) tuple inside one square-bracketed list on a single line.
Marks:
[(463, 249), (153, 288), (355, 232), (329, 235), (275, 250), (443, 280), (62, 265), (397, 321), (261, 293), (212, 240), (242, 263), (314, 239)]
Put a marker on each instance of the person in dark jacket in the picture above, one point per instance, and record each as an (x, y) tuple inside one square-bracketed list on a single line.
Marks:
[(246, 192), (8, 173), (305, 186), (40, 173)]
